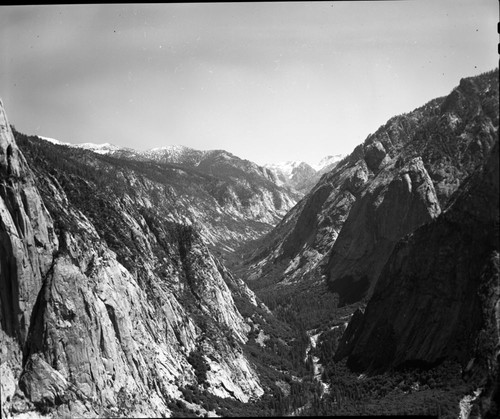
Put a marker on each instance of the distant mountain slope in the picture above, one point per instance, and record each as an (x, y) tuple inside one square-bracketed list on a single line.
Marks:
[(217, 191), (212, 162), (252, 180), (344, 230)]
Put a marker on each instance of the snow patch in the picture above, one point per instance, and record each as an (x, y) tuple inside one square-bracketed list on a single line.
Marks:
[(284, 167), (327, 161), (53, 140), (262, 338), (105, 148)]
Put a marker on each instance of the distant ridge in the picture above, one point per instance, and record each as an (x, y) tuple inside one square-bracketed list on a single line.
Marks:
[(299, 176)]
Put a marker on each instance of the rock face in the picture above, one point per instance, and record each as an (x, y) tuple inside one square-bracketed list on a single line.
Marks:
[(27, 243), (438, 296), (303, 177), (385, 213), (345, 229), (109, 317), (27, 239)]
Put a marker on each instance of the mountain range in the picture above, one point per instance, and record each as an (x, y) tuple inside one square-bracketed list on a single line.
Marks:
[(298, 176), (180, 282)]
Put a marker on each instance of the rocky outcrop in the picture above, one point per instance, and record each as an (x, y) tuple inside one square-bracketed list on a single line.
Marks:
[(438, 296), (110, 304), (396, 202), (345, 229), (303, 177), (27, 244), (375, 154)]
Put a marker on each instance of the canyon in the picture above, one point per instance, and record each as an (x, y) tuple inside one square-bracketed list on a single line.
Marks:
[(186, 282)]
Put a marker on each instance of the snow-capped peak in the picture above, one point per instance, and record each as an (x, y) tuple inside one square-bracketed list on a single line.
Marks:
[(172, 153), (171, 148), (53, 140), (285, 167), (327, 161), (288, 167), (105, 148)]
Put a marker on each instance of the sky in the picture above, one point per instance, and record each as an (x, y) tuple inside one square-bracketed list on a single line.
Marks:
[(266, 81)]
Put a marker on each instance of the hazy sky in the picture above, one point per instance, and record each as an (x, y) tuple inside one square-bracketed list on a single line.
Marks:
[(269, 82)]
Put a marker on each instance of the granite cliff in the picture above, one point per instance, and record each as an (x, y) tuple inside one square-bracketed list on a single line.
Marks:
[(109, 318), (438, 296)]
